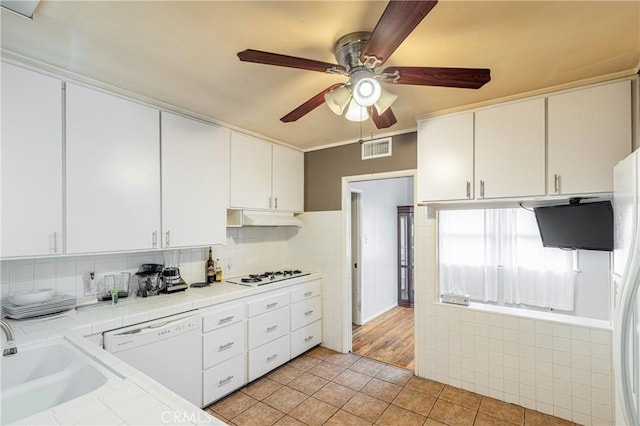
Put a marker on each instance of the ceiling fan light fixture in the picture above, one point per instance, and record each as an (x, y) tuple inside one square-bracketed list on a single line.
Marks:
[(338, 99), (365, 88), (356, 112), (386, 100)]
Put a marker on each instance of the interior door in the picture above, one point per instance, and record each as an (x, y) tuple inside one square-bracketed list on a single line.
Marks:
[(405, 256), (356, 284)]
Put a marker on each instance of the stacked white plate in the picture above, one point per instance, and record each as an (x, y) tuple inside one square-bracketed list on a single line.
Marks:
[(57, 303)]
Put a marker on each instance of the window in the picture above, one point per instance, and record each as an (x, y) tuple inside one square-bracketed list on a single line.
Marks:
[(496, 256)]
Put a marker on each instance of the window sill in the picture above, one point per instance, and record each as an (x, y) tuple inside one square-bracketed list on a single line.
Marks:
[(536, 315)]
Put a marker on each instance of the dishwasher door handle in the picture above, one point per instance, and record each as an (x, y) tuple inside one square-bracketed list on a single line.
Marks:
[(153, 327)]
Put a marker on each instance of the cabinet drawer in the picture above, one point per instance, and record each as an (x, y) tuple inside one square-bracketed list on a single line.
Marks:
[(305, 338), (267, 357), (222, 344), (215, 318), (223, 379), (306, 291), (267, 327), (267, 304), (306, 312)]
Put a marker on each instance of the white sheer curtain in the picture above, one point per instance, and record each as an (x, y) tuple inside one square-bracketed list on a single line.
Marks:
[(482, 249)]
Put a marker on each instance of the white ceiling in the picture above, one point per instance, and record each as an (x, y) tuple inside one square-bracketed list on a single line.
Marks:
[(183, 53)]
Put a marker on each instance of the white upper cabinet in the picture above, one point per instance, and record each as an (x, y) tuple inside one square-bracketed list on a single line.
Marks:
[(194, 182), (589, 132), (112, 173), (31, 163), (250, 172), (510, 150), (288, 179), (264, 175), (445, 158)]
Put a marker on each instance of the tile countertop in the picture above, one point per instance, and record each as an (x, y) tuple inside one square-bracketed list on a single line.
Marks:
[(137, 399)]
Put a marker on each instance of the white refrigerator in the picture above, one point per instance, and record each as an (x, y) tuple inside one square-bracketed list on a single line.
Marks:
[(626, 278)]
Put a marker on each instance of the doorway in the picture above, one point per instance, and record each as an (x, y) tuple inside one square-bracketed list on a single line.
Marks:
[(378, 250)]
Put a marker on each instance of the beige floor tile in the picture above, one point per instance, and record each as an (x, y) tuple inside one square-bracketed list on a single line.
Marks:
[(365, 407), (284, 374), (313, 411), (397, 376), (334, 394), (431, 422), (382, 390), (321, 353), (483, 419), (261, 388), (342, 418), (396, 416), (288, 421), (426, 386), (233, 405), (352, 379), (303, 362), (414, 401), (535, 418), (502, 410), (452, 414), (258, 415), (326, 370), (307, 383), (285, 399), (461, 397), (344, 360), (367, 366)]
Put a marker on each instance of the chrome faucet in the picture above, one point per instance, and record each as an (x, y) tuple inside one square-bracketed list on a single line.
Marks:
[(11, 339)]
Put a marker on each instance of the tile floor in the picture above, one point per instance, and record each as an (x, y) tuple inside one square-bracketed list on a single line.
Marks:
[(327, 387)]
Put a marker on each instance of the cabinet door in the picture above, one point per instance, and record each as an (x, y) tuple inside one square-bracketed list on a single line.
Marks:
[(445, 158), (510, 150), (113, 173), (250, 172), (31, 163), (589, 132), (288, 179), (194, 182)]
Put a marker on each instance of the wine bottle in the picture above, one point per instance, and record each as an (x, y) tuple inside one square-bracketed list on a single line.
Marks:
[(210, 268), (218, 271)]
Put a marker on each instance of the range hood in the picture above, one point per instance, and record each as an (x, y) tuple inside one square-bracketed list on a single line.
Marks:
[(262, 218)]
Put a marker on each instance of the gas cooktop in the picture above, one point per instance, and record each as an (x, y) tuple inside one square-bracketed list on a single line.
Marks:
[(270, 277)]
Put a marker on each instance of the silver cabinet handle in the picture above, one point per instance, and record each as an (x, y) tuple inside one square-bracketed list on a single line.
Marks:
[(556, 183), (307, 339), (270, 200), (481, 189), (225, 381), (225, 320), (272, 305), (167, 239), (225, 347), (309, 293), (272, 357), (154, 239), (468, 189), (276, 203), (306, 314), (55, 242), (272, 328)]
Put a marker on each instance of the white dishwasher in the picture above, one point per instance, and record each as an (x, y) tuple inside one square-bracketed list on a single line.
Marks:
[(169, 350)]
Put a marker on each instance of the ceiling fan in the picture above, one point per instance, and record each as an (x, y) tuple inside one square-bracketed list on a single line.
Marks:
[(360, 56)]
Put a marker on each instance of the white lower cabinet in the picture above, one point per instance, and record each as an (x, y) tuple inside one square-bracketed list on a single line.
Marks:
[(223, 344), (306, 317), (223, 379), (268, 356), (266, 327), (305, 338)]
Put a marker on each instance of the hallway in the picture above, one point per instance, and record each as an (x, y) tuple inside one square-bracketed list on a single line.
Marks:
[(388, 338)]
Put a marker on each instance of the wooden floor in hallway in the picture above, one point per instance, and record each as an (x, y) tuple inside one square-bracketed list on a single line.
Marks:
[(388, 338)]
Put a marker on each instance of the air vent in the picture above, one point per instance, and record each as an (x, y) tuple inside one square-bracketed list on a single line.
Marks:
[(376, 148)]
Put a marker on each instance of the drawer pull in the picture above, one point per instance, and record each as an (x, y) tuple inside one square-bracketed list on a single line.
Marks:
[(272, 357), (307, 339), (225, 347), (272, 305), (306, 314), (224, 320), (272, 328), (225, 381), (308, 293)]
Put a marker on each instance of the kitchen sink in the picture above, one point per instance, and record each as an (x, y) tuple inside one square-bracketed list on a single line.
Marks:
[(44, 375)]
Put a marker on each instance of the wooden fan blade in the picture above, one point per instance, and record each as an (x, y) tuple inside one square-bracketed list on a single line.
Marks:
[(387, 119), (466, 78), (268, 58), (395, 24), (308, 106)]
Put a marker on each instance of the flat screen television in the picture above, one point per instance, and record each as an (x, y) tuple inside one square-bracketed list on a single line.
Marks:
[(586, 226)]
